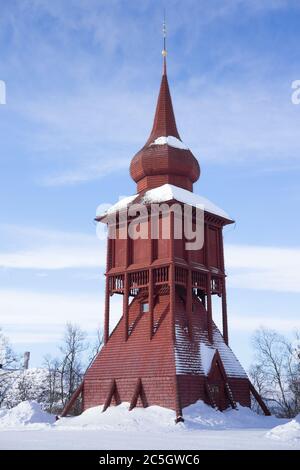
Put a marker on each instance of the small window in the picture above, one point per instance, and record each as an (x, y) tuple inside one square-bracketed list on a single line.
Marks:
[(145, 307), (215, 389)]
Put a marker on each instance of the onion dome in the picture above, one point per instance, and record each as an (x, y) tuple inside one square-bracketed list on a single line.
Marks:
[(164, 158)]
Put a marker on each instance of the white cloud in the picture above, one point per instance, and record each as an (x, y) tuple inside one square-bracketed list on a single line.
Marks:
[(44, 249), (37, 317), (98, 113), (251, 322), (263, 268), (249, 267)]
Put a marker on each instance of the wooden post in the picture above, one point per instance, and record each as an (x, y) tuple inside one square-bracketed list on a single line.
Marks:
[(209, 309), (178, 408), (189, 300), (125, 305), (208, 287), (151, 240), (224, 312), (259, 399), (151, 301), (172, 275), (72, 400), (107, 288), (127, 249), (224, 301)]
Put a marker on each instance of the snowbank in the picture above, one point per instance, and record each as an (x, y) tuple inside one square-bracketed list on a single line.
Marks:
[(27, 427), (154, 418), (289, 432), (202, 416), (120, 418), (27, 413), (198, 416)]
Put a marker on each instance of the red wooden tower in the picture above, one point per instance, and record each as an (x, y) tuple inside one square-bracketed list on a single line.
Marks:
[(166, 349)]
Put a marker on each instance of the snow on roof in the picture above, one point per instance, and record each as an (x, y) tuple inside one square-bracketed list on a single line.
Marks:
[(171, 141), (120, 205), (195, 357), (207, 354), (231, 364), (168, 192)]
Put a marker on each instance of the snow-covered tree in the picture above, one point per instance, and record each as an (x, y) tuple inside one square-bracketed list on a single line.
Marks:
[(27, 384), (9, 362)]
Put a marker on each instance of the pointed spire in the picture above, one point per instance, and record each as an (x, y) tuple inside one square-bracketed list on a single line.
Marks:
[(164, 124), (164, 161)]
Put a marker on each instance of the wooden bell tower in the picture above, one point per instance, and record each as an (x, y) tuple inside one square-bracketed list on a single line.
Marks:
[(166, 349)]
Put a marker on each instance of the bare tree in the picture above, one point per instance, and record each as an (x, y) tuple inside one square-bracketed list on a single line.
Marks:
[(71, 369), (53, 384), (96, 346), (275, 372)]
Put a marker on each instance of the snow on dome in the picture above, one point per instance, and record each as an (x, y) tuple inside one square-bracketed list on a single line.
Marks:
[(171, 141)]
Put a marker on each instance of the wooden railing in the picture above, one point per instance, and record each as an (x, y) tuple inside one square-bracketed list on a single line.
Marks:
[(161, 275), (180, 275), (199, 280), (138, 279), (116, 283), (216, 285)]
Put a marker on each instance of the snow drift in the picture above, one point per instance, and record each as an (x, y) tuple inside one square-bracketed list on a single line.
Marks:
[(289, 432), (197, 416), (27, 427), (27, 413)]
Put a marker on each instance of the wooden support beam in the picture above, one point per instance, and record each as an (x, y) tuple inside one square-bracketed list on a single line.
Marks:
[(178, 407), (106, 310), (259, 400), (172, 275), (127, 249), (113, 392), (107, 289), (72, 400), (230, 396), (125, 305), (151, 302), (224, 312), (138, 392), (209, 309), (210, 395), (189, 301)]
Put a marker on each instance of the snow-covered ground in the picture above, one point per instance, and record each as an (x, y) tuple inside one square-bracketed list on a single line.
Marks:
[(27, 427)]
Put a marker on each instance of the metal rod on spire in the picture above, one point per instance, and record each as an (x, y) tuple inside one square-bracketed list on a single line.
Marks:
[(164, 51)]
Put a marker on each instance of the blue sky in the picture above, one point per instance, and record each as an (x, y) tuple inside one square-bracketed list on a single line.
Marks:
[(82, 79)]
